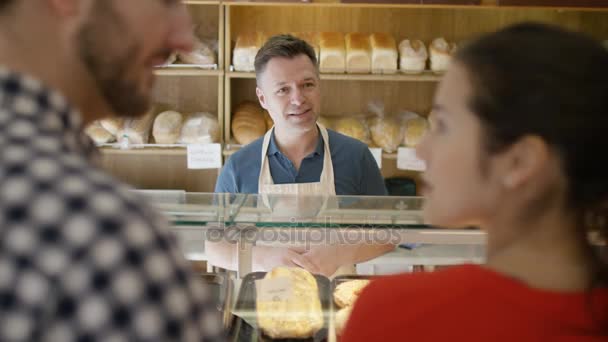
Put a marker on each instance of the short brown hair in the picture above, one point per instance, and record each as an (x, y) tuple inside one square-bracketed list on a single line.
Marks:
[(283, 45)]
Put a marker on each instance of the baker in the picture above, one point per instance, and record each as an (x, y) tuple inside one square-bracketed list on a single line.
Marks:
[(299, 157)]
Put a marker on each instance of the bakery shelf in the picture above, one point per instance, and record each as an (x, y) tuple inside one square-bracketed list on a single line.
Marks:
[(187, 72), (202, 2), (157, 151), (423, 77)]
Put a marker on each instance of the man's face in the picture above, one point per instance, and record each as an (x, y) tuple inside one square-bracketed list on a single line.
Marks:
[(289, 90), (121, 42)]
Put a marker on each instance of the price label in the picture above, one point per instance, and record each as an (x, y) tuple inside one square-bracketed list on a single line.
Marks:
[(273, 290), (377, 153), (204, 156), (407, 160)]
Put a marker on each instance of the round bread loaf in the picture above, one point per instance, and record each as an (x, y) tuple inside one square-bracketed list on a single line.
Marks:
[(248, 123), (386, 133), (354, 128)]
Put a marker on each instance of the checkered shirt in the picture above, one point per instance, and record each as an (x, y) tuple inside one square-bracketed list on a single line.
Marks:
[(81, 257)]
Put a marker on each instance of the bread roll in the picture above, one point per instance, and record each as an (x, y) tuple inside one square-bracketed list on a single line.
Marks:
[(268, 120), (300, 316), (354, 128), (384, 53), (358, 53), (311, 38), (167, 127), (413, 56), (248, 122), (200, 128), (441, 54), (415, 128), (112, 125), (386, 133), (346, 293), (137, 131), (201, 54), (333, 53), (341, 318), (99, 134), (247, 46)]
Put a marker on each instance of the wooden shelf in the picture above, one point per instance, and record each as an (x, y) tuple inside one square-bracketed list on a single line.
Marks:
[(426, 76), (187, 72), (202, 2), (156, 151)]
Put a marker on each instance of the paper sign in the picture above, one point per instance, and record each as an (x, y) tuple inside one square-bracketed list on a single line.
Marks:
[(273, 290), (407, 160), (204, 156), (377, 153)]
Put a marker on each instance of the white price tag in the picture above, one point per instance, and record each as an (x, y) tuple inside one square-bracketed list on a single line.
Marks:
[(377, 153), (273, 290), (407, 160), (204, 156)]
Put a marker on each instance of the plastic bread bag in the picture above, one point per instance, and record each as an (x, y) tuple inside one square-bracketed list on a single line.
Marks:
[(200, 128), (354, 127), (99, 134), (415, 127), (386, 132), (136, 131), (203, 53)]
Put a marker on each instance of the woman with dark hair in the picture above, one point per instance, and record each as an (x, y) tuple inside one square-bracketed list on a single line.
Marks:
[(518, 148)]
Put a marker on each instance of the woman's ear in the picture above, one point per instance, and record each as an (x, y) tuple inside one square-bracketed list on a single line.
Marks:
[(525, 161)]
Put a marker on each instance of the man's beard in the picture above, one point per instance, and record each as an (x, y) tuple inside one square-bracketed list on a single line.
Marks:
[(109, 68)]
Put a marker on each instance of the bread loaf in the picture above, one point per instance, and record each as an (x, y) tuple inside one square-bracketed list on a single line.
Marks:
[(201, 54), (300, 316), (248, 122), (268, 120), (413, 56), (415, 128), (325, 122), (332, 52), (312, 38), (167, 127), (200, 128), (354, 128), (386, 133), (112, 125), (358, 53), (99, 134), (441, 54), (341, 317), (384, 53), (247, 46), (137, 131), (346, 293)]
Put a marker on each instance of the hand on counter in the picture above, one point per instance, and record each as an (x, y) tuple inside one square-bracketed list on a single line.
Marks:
[(325, 259), (266, 258)]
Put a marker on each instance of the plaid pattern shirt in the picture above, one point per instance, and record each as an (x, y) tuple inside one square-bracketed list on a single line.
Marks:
[(81, 258)]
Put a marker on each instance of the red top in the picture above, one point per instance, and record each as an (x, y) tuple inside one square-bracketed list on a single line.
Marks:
[(472, 303)]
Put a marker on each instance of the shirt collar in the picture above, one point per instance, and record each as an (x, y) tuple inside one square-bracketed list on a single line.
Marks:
[(273, 149), (26, 96)]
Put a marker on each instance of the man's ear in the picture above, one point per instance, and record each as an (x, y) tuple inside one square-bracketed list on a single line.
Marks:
[(525, 161), (261, 97), (67, 7)]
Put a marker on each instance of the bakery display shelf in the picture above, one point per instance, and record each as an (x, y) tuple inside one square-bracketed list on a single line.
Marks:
[(202, 2), (244, 322), (426, 76), (145, 149), (485, 5), (186, 70)]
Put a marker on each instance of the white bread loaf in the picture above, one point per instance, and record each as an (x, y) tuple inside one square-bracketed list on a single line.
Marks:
[(99, 134), (384, 53), (137, 131), (441, 54), (247, 46), (413, 56), (200, 128), (354, 128), (415, 128), (201, 54), (386, 133), (358, 53), (312, 38), (248, 122), (167, 127), (112, 125), (300, 316), (346, 293), (332, 52)]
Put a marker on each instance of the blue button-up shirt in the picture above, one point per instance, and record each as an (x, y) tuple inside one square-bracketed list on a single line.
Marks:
[(355, 169)]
